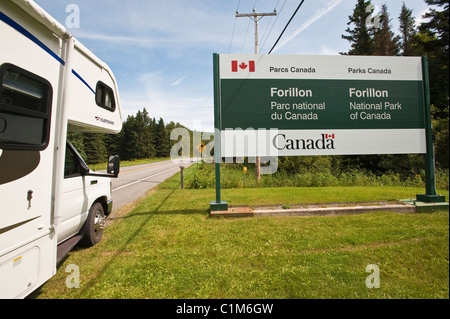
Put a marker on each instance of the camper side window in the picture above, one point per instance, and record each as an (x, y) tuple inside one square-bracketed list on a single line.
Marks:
[(25, 108), (104, 97)]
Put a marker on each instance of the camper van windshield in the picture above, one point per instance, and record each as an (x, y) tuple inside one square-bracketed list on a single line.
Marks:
[(24, 109)]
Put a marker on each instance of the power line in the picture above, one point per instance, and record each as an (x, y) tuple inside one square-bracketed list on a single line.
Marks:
[(278, 15), (245, 37), (234, 25), (267, 27), (254, 5), (293, 15), (268, 23), (232, 34)]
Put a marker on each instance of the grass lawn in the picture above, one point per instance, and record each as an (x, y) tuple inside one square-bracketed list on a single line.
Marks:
[(168, 247)]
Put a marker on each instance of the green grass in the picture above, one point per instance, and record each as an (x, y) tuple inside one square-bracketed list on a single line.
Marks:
[(168, 247)]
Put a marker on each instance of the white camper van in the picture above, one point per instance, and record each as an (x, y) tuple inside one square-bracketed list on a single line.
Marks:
[(49, 199)]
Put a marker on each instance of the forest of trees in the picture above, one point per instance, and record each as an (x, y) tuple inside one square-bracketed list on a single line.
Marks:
[(145, 137), (141, 137)]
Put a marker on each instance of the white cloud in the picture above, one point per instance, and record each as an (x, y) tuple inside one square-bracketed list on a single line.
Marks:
[(118, 39), (317, 15), (178, 81), (419, 17)]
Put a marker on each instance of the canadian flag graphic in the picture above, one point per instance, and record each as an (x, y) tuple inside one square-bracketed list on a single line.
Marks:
[(235, 66), (329, 136)]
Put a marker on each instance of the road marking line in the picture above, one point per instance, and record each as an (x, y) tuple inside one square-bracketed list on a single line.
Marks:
[(138, 169), (140, 180)]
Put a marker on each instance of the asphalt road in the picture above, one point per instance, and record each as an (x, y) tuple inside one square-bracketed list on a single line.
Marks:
[(134, 181)]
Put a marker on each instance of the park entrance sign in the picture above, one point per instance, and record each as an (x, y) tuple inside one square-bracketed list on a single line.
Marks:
[(292, 105), (321, 105)]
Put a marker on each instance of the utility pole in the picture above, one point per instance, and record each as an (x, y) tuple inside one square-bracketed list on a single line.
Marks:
[(255, 16)]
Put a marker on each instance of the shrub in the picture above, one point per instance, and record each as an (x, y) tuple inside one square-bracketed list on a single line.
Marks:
[(233, 177)]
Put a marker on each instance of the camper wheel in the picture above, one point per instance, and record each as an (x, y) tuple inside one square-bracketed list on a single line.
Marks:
[(95, 223)]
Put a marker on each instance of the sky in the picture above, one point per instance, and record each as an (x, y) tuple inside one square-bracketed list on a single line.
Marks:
[(161, 52)]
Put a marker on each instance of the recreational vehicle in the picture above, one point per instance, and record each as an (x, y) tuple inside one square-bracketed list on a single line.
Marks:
[(50, 84)]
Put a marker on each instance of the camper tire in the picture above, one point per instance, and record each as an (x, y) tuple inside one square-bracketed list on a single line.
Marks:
[(95, 223)]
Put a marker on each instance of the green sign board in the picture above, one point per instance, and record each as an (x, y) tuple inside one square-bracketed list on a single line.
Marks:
[(321, 104), (367, 105), (270, 105)]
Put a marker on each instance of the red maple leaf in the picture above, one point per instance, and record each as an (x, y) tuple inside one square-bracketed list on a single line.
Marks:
[(243, 66)]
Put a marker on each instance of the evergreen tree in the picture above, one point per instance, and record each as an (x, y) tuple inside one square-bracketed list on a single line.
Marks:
[(112, 143), (153, 129), (407, 31), (137, 139), (162, 142), (146, 139), (437, 50), (385, 41), (360, 36), (77, 140), (94, 148), (169, 128), (128, 148), (435, 44)]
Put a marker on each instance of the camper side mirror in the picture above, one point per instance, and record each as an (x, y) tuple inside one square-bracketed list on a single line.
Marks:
[(113, 165)]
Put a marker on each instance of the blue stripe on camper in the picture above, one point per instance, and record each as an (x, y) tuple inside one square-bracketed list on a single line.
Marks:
[(26, 33), (82, 80), (19, 28)]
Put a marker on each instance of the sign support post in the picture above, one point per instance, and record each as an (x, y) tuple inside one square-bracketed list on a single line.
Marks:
[(430, 174), (217, 205)]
